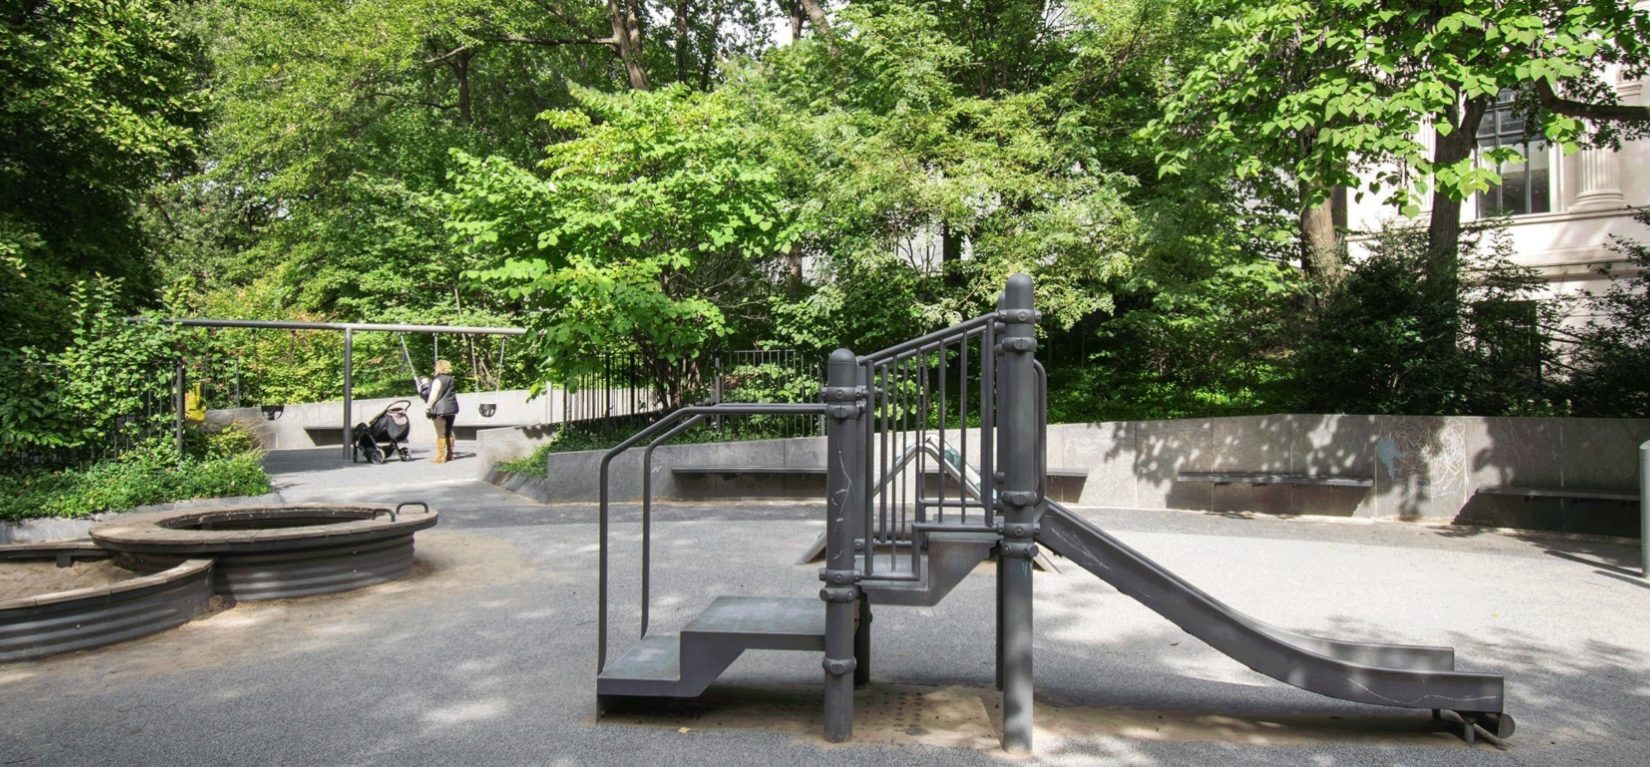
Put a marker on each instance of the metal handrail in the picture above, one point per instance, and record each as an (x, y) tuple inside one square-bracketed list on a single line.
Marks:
[(726, 408), (916, 345), (647, 509)]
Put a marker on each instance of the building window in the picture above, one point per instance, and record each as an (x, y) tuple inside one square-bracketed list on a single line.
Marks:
[(1523, 189)]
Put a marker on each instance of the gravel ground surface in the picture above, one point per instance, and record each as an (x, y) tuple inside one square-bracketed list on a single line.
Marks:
[(486, 656)]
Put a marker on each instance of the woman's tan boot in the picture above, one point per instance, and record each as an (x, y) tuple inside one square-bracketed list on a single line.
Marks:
[(441, 450)]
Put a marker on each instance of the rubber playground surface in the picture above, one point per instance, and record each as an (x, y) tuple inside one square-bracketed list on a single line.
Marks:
[(487, 654)]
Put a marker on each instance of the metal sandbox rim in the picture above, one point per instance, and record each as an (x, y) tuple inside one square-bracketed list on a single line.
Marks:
[(78, 619), (153, 533)]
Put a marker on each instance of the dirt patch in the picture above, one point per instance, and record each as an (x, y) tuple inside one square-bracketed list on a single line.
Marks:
[(32, 579), (949, 717), (967, 717), (448, 566)]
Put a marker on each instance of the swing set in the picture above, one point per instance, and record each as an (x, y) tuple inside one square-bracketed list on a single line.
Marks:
[(190, 407)]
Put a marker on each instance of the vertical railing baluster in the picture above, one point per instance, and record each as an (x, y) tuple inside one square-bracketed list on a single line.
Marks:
[(962, 414), (944, 368), (988, 396)]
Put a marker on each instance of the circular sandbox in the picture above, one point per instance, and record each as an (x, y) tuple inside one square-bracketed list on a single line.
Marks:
[(274, 552), (112, 607)]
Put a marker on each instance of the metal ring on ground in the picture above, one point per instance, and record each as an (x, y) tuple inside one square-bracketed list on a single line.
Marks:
[(47, 624), (272, 552)]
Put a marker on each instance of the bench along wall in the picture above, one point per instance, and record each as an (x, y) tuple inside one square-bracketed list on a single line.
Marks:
[(1433, 468), (1415, 468)]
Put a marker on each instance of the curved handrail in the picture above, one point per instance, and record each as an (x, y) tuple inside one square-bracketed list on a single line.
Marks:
[(725, 408), (647, 509)]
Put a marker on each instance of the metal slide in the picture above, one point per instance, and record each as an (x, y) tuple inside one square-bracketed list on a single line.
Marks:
[(1387, 675)]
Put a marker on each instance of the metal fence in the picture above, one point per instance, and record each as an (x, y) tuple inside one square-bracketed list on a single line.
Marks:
[(623, 394), (80, 435)]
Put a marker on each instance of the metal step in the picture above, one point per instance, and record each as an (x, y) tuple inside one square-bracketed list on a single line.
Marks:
[(672, 666), (762, 623), (949, 559)]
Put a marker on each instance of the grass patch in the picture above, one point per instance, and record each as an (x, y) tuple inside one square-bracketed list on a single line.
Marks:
[(136, 479)]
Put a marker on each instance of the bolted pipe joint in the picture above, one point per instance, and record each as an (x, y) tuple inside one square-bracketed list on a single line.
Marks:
[(1020, 498), (838, 577), (838, 666), (835, 594), (1020, 530), (1019, 550)]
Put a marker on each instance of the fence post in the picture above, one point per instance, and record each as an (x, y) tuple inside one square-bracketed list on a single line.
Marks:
[(177, 404), (349, 388), (844, 402), (1017, 430), (1644, 510)]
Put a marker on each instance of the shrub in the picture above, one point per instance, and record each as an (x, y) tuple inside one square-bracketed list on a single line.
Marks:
[(1381, 345), (140, 477)]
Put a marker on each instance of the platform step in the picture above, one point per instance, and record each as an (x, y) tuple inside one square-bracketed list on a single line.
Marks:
[(651, 667), (762, 623), (682, 666)]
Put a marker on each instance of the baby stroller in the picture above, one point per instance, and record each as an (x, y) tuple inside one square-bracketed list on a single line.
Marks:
[(384, 433)]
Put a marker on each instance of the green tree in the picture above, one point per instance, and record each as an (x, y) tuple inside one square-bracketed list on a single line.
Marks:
[(97, 101), (1326, 91), (648, 233)]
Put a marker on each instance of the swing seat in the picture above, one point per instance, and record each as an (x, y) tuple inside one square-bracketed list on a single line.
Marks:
[(488, 409), (273, 412)]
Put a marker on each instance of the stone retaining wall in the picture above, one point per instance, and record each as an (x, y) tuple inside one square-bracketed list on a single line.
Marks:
[(1423, 468)]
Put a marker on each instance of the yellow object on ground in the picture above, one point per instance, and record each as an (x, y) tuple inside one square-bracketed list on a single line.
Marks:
[(194, 406)]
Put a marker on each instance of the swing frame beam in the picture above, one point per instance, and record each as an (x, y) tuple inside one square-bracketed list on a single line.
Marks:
[(349, 330)]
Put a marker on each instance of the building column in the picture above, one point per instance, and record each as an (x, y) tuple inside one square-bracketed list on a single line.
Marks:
[(1600, 181)]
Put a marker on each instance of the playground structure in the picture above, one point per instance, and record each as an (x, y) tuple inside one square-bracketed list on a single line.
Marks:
[(890, 542)]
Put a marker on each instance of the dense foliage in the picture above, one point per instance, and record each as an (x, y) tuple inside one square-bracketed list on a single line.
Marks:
[(675, 180)]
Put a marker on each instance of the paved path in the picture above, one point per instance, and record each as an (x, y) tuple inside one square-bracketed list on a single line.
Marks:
[(486, 656)]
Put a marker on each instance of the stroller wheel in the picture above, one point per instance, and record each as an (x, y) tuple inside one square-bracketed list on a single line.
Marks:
[(375, 455), (406, 455)]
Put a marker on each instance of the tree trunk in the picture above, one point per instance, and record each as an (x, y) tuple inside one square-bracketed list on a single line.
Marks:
[(796, 20), (680, 20), (793, 267), (461, 71), (951, 256), (816, 17), (1444, 226), (1320, 247), (627, 35)]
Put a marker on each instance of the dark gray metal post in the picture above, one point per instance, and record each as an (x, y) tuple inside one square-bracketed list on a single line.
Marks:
[(1017, 430), (856, 520), (1644, 510), (177, 404), (349, 386), (844, 402)]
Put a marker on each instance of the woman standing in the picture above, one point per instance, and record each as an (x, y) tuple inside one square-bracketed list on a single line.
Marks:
[(441, 405)]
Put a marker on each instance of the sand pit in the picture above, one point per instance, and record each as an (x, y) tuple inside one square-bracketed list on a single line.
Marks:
[(35, 578)]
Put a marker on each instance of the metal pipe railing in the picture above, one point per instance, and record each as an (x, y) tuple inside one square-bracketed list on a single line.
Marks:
[(1644, 510), (899, 350), (729, 408), (647, 509)]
